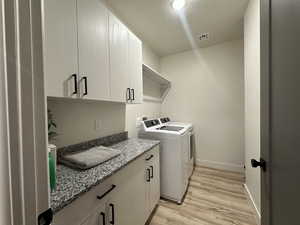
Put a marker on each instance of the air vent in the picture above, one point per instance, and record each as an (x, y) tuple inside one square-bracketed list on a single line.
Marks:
[(203, 37)]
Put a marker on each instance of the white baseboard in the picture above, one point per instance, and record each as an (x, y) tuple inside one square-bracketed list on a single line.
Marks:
[(220, 165), (251, 200)]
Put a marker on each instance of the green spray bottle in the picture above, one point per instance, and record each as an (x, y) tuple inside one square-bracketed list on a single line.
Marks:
[(52, 172)]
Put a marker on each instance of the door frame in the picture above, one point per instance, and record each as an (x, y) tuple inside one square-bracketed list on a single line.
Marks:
[(265, 105), (22, 35), (5, 178)]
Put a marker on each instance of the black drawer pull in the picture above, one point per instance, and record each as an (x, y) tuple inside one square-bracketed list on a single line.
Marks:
[(150, 157), (103, 218), (107, 192), (128, 94), (75, 83), (151, 171), (148, 175), (85, 86), (133, 94), (112, 213)]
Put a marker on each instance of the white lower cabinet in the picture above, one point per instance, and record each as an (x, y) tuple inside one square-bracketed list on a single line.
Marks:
[(126, 198), (126, 205), (152, 180), (97, 218)]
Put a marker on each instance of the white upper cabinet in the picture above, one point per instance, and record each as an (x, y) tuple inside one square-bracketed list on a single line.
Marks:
[(90, 54), (118, 45), (60, 48), (135, 68), (93, 50)]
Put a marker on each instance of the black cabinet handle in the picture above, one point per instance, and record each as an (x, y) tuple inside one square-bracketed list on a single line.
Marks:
[(103, 218), (133, 94), (262, 164), (150, 157), (46, 217), (85, 86), (148, 175), (107, 192), (128, 94), (75, 83), (112, 213), (151, 171)]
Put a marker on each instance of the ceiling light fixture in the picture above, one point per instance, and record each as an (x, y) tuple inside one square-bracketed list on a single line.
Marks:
[(178, 4)]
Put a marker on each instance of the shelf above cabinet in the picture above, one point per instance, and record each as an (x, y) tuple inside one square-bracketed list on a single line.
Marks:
[(154, 75), (151, 99), (159, 79)]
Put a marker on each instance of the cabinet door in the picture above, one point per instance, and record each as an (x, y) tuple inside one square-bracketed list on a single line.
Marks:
[(99, 217), (93, 49), (127, 205), (147, 180), (155, 180), (135, 69), (60, 47), (118, 46)]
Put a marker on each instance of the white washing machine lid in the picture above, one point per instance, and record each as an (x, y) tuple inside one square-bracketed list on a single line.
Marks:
[(154, 126), (167, 122)]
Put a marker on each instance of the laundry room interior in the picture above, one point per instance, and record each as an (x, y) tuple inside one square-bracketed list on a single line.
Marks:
[(182, 81)]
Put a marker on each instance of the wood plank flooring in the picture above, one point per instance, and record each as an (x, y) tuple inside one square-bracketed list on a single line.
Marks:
[(214, 197)]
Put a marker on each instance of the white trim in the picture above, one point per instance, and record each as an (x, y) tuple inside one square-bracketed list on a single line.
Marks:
[(13, 109), (26, 110), (5, 175), (251, 201), (220, 165)]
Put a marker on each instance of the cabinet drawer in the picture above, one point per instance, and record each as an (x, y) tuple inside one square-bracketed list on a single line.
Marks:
[(76, 212), (152, 155)]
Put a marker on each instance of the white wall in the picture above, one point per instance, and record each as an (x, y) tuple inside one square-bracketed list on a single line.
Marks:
[(150, 57), (207, 90), (76, 119), (148, 109), (252, 97)]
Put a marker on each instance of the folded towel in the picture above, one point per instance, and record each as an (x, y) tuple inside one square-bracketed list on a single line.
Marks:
[(89, 158)]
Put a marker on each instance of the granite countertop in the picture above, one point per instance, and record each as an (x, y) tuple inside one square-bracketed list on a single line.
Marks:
[(72, 183)]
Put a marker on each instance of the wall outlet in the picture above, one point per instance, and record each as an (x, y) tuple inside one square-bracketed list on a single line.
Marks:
[(97, 125), (138, 121)]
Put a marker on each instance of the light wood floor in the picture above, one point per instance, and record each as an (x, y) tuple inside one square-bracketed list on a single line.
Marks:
[(214, 197)]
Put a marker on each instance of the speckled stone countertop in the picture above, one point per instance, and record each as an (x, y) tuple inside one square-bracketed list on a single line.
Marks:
[(73, 183)]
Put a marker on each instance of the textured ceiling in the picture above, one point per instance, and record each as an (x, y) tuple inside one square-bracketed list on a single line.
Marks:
[(167, 31)]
